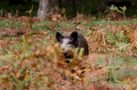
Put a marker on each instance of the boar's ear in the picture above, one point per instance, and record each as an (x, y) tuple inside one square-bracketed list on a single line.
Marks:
[(74, 36), (59, 36)]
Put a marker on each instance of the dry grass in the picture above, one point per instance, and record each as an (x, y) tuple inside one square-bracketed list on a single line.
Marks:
[(33, 61)]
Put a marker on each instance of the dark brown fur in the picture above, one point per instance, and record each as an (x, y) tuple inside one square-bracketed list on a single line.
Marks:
[(82, 43)]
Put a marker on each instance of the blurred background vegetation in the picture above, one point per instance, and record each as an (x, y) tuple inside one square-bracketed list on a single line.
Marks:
[(88, 7)]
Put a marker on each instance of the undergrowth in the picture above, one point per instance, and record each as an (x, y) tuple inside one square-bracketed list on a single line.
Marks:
[(30, 58)]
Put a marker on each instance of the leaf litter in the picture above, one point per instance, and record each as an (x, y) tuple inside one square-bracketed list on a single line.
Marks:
[(31, 60)]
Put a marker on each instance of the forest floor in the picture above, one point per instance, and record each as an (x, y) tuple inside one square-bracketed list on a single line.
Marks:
[(30, 58)]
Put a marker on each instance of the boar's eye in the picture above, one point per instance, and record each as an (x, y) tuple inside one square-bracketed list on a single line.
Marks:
[(59, 36)]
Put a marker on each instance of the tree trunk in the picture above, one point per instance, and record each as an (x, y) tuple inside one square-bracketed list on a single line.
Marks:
[(47, 7)]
